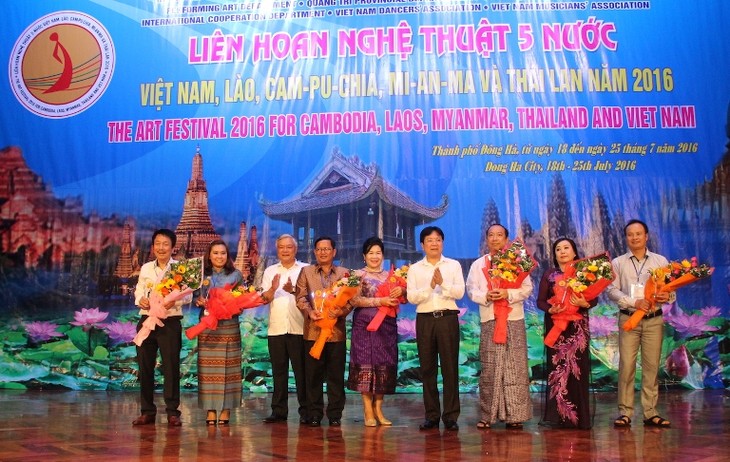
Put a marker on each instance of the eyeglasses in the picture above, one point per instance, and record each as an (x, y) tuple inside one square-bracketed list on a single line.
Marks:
[(323, 249)]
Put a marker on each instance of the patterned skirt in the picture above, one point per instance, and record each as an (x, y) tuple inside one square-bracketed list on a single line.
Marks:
[(219, 367), (568, 369), (504, 382), (373, 355)]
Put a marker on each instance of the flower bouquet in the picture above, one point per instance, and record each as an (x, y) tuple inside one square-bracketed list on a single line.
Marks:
[(668, 279), (326, 302), (506, 269), (181, 280), (225, 303), (396, 278), (588, 277)]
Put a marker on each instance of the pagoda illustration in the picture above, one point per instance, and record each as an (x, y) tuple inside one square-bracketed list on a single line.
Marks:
[(127, 263), (124, 267), (38, 230), (195, 230), (349, 202), (247, 254)]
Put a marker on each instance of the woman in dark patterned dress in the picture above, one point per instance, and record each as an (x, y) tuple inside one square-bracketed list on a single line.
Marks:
[(568, 363), (373, 355)]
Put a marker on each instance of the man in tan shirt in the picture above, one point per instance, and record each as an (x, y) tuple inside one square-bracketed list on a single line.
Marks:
[(320, 277)]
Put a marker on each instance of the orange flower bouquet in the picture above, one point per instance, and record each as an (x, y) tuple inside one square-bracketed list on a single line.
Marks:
[(506, 269), (181, 280), (668, 279), (327, 302), (396, 278), (225, 303), (588, 277)]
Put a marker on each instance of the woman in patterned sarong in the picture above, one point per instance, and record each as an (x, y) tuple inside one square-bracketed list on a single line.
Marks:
[(373, 355), (568, 362), (219, 351)]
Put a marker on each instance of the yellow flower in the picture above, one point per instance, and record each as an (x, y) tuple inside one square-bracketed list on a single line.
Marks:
[(181, 269), (686, 264), (592, 268)]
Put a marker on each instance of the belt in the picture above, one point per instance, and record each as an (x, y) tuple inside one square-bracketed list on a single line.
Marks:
[(440, 313), (646, 316)]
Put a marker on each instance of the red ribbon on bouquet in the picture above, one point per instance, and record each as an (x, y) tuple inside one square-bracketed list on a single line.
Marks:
[(383, 290), (593, 280), (560, 320), (518, 256), (222, 304)]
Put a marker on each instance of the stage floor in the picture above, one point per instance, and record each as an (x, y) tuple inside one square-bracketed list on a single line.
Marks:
[(72, 426)]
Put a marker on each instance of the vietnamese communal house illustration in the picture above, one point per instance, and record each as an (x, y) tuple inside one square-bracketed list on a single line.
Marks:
[(350, 201)]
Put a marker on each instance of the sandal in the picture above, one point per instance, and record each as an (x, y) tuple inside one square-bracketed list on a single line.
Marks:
[(623, 421), (210, 421), (223, 417), (657, 421), (514, 426), (483, 425)]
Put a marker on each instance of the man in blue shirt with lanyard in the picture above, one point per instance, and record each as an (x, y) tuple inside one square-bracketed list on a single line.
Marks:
[(632, 271)]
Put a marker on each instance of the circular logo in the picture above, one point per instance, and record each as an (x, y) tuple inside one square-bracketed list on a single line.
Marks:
[(61, 64)]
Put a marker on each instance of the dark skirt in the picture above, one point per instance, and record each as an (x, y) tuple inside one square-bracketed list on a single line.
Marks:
[(567, 373)]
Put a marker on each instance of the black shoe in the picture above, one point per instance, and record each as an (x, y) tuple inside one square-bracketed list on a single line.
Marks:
[(315, 423), (144, 419), (429, 425), (275, 418), (303, 420), (335, 423), (451, 425)]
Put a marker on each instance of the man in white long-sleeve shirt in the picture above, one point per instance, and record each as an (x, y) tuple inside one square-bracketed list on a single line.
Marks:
[(434, 285), (504, 382), (167, 338)]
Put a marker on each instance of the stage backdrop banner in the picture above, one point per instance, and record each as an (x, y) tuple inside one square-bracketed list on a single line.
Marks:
[(351, 118)]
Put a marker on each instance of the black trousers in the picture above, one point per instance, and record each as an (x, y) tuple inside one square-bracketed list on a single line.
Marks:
[(330, 366), (285, 349), (437, 340), (168, 340)]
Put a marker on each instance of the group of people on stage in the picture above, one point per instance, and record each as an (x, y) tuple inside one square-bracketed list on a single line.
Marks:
[(434, 284)]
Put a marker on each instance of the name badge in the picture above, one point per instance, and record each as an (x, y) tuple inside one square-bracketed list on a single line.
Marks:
[(637, 291)]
